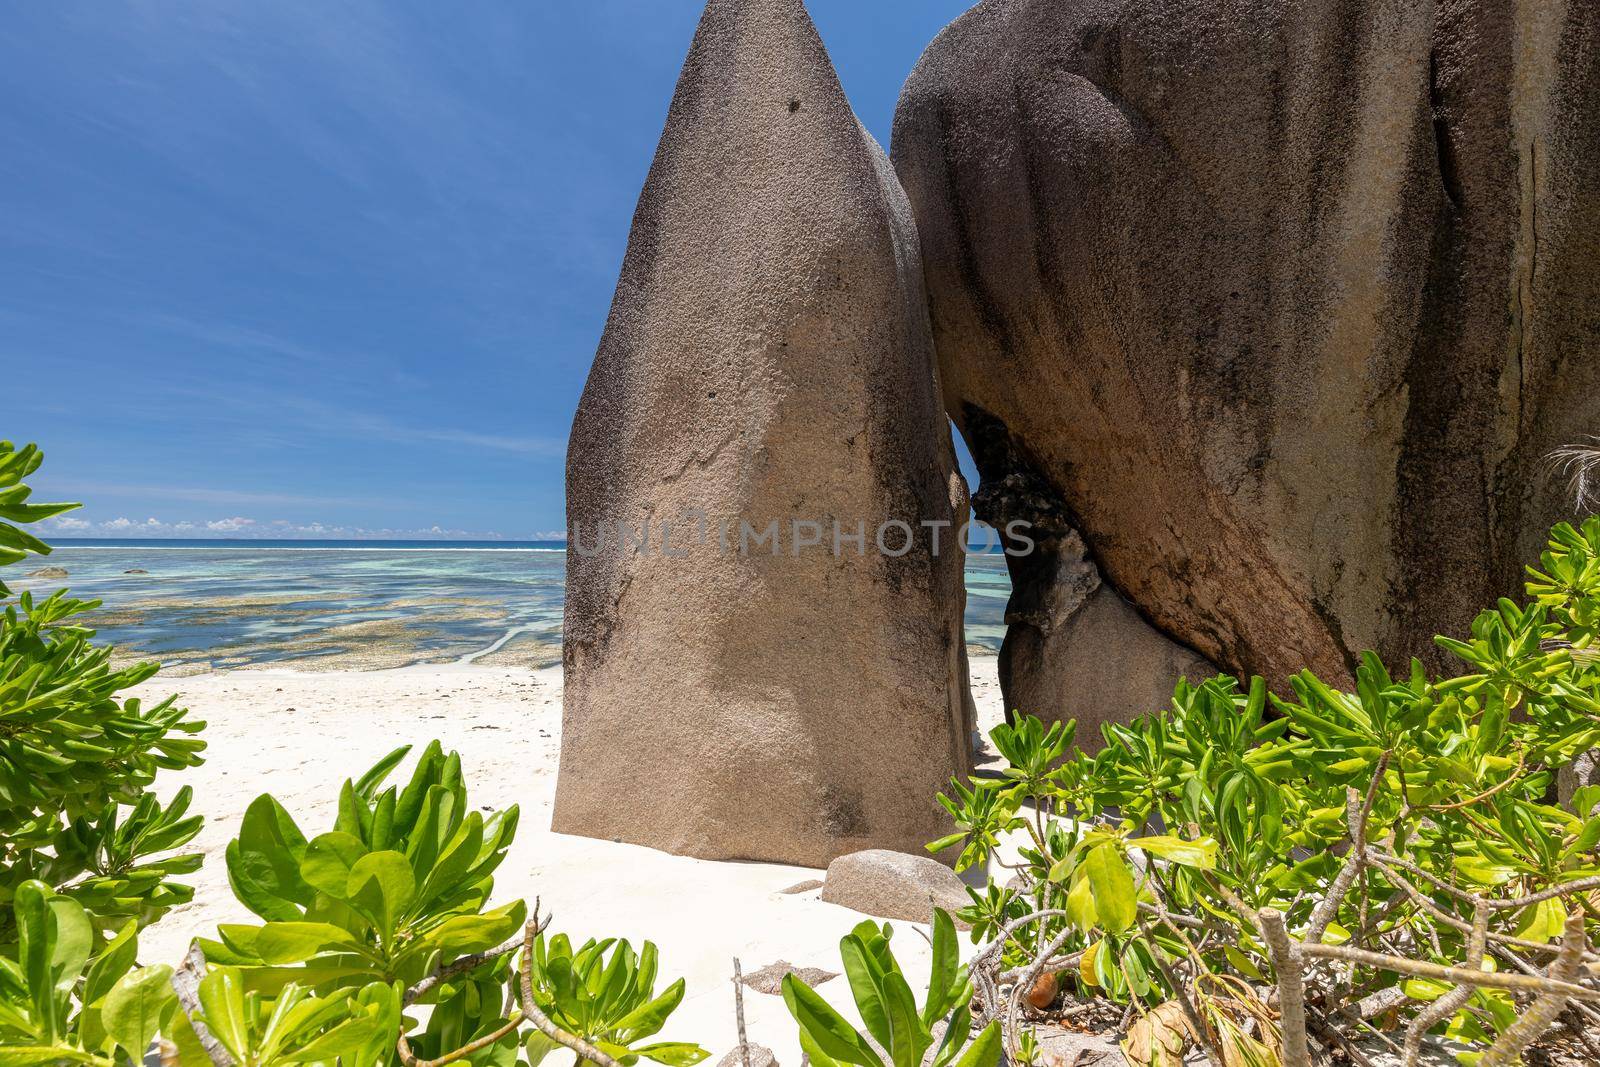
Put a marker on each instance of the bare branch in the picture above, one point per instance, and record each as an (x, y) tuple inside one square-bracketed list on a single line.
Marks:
[(1457, 998), (186, 983), (1539, 1017), (458, 968), (1357, 813), (1288, 961), (403, 1047), (1519, 983)]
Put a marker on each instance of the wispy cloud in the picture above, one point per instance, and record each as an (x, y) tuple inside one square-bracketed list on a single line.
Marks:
[(230, 335), (239, 526), (202, 495), (367, 424), (532, 446)]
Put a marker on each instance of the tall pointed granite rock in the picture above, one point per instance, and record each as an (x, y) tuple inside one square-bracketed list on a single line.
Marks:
[(734, 690), (1284, 303)]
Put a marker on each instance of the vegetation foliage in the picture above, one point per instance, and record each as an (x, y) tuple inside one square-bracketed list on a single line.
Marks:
[(77, 760), (898, 1034), (1406, 830)]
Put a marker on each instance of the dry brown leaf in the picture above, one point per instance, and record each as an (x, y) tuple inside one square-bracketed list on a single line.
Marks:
[(1160, 1039)]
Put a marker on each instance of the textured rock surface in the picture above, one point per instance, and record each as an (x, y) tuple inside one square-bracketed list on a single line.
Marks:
[(1285, 302), (767, 359), (1074, 648), (1104, 664), (894, 885), (750, 1056), (769, 979)]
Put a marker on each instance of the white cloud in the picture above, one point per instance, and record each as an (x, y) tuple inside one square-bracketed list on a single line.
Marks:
[(240, 526)]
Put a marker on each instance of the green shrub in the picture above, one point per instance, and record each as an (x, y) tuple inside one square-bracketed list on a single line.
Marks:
[(293, 1027), (1381, 820), (76, 760), (398, 888), (605, 993), (896, 1028), (390, 909), (62, 1000)]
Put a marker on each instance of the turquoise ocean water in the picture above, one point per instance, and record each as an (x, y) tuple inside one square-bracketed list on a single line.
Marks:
[(341, 604)]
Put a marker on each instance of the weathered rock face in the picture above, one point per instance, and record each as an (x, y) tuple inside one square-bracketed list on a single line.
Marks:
[(1285, 301), (767, 360), (894, 885)]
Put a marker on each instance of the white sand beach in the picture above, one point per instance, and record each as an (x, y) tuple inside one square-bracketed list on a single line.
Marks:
[(299, 735)]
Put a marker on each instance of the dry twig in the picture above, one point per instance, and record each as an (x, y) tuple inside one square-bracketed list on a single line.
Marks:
[(738, 1013)]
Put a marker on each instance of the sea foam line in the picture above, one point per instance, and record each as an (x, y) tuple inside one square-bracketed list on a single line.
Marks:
[(501, 642)]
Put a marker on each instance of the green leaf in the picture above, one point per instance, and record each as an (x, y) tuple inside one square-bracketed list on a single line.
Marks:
[(264, 863), (648, 1019), (945, 981), (222, 1006), (984, 1050), (909, 1039), (133, 1009), (825, 1027), (295, 942), (114, 961), (328, 861), (1426, 989), (1080, 905), (381, 887), (1201, 854), (42, 1056), (1542, 922), (74, 941), (368, 783), (1115, 897), (866, 985), (463, 935), (672, 1053), (537, 1047)]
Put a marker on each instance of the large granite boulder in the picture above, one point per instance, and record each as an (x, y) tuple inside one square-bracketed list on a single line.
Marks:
[(767, 360), (1284, 302)]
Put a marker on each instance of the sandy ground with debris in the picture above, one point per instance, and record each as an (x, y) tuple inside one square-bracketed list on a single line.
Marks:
[(299, 736)]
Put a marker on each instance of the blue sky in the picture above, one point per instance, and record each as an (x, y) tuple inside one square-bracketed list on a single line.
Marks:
[(329, 267)]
